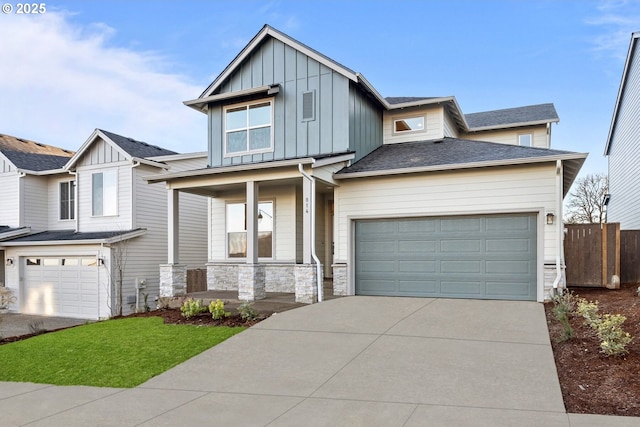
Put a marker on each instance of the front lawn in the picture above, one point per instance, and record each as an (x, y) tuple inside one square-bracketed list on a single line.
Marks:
[(115, 353)]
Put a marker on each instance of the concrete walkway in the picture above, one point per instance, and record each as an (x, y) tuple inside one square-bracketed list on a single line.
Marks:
[(355, 361)]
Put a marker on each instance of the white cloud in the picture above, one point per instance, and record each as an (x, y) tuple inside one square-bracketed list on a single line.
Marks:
[(616, 21), (60, 81)]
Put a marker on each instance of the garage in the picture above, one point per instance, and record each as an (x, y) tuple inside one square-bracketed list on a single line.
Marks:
[(483, 257), (61, 286)]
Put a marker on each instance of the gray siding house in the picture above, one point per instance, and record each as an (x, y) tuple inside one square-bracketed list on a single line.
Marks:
[(623, 145), (313, 175)]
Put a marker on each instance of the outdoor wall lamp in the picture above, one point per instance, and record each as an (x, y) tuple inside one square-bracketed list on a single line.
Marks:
[(550, 217), (100, 261), (9, 262)]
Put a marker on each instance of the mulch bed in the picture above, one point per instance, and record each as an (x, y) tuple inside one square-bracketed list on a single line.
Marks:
[(591, 382), (174, 316)]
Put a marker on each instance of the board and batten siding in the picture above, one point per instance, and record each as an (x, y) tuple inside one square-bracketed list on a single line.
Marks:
[(100, 153), (365, 123), (478, 191), (34, 202), (510, 136), (277, 63), (624, 153), (434, 125), (10, 196)]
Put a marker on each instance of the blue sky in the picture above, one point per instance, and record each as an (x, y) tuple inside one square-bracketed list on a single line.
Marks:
[(126, 66)]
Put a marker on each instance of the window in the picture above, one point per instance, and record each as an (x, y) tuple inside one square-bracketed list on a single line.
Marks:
[(104, 197), (67, 200), (248, 128), (33, 261), (409, 124), (525, 140), (237, 230)]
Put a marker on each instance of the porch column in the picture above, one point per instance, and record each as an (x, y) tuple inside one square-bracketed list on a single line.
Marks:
[(305, 273), (251, 275), (173, 275)]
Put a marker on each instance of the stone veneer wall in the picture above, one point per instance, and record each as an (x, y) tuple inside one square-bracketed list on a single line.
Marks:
[(340, 279), (173, 280), (222, 277), (277, 277), (251, 282), (306, 283)]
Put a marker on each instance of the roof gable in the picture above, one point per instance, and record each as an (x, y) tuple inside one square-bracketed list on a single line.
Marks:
[(256, 41), (33, 156), (128, 148)]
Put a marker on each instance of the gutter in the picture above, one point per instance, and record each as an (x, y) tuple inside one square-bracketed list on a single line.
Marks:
[(313, 230)]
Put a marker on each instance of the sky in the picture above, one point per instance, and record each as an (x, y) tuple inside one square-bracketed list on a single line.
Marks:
[(127, 66)]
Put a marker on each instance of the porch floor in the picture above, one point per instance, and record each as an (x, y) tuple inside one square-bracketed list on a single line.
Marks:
[(275, 302)]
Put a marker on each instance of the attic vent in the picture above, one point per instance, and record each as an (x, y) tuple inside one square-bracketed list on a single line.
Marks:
[(308, 106)]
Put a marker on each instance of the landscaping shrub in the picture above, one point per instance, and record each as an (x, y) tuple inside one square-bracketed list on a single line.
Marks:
[(247, 312), (563, 305), (192, 307), (608, 328), (216, 308)]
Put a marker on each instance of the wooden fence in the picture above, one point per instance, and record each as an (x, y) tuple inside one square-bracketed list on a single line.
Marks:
[(630, 256), (592, 254), (196, 280)]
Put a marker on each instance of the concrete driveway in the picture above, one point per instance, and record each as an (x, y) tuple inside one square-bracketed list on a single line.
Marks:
[(16, 324), (354, 361)]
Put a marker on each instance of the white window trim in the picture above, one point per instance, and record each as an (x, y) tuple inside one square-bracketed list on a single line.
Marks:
[(75, 200), (226, 231), (405, 132), (269, 149), (115, 171), (530, 134)]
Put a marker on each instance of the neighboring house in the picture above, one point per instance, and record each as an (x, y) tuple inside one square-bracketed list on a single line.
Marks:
[(623, 145), (94, 226), (309, 164)]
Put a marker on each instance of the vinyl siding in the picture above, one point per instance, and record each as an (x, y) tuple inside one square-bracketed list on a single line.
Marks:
[(100, 153), (450, 127), (5, 165), (510, 136), (624, 154), (123, 220), (434, 125), (276, 63), (53, 194), (34, 203), (10, 196), (491, 190)]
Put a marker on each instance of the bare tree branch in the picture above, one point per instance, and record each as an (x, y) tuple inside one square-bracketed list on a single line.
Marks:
[(586, 201)]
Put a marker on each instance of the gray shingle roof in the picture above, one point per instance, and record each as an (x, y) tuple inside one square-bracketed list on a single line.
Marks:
[(31, 155), (513, 116), (136, 148), (70, 236), (442, 152), (402, 99)]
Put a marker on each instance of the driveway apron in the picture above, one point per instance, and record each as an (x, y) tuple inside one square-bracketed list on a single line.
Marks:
[(353, 361)]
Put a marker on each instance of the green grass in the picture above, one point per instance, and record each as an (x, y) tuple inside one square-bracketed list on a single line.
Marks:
[(114, 353)]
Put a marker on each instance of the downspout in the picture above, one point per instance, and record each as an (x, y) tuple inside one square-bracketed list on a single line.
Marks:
[(560, 226), (313, 230)]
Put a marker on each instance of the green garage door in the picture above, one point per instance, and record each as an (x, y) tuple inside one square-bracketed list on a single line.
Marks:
[(485, 257)]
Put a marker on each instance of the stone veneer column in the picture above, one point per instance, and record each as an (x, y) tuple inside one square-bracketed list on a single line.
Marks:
[(251, 282), (173, 280), (340, 279), (306, 288)]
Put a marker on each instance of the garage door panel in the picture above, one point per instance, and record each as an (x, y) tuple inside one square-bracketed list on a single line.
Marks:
[(491, 256)]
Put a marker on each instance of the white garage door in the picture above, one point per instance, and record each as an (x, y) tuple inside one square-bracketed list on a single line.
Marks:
[(61, 286)]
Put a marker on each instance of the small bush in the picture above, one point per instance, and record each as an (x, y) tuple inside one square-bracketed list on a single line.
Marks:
[(563, 305), (216, 308), (589, 310), (192, 307), (36, 327), (247, 312), (6, 298), (613, 339)]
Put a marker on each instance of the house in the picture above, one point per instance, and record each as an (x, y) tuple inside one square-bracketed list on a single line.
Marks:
[(623, 145), (84, 232), (312, 174)]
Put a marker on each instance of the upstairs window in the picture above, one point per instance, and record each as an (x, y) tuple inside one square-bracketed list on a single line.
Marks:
[(525, 140), (408, 124), (67, 200), (248, 128), (104, 194)]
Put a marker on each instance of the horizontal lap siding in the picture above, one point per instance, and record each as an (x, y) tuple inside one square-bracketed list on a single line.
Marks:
[(34, 202), (434, 125), (10, 196), (510, 136), (123, 219), (624, 154), (449, 193), (53, 188)]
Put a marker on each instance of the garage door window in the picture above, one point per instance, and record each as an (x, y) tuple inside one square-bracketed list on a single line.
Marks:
[(33, 261), (70, 261)]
